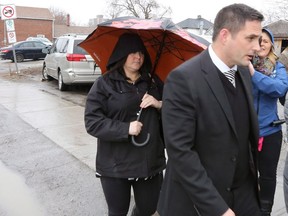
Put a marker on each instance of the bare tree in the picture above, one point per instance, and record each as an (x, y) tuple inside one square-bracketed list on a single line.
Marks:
[(278, 9), (59, 15), (139, 8), (114, 10)]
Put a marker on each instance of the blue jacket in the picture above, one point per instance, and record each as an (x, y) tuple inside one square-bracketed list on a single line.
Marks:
[(266, 91)]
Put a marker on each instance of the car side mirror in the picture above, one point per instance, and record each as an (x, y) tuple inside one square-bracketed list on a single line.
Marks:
[(46, 50)]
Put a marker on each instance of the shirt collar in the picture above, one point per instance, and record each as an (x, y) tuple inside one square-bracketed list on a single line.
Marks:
[(218, 62)]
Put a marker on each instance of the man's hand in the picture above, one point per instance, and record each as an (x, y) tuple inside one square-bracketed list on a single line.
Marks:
[(229, 212)]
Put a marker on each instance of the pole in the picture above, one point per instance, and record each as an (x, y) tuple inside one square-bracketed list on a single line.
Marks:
[(5, 40), (13, 48), (15, 59)]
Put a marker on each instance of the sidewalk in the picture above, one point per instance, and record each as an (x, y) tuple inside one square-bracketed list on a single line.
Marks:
[(279, 208), (39, 178)]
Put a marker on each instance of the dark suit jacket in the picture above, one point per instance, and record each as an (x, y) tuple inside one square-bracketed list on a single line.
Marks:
[(201, 139)]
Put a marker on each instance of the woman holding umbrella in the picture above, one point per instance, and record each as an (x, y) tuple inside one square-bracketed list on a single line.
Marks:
[(111, 116)]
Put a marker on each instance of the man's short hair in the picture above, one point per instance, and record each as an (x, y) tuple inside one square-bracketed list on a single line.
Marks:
[(233, 17)]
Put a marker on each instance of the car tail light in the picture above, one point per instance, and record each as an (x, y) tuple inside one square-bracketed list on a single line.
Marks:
[(76, 57), (4, 51)]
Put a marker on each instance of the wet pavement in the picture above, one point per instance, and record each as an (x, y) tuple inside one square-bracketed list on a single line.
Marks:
[(50, 148), (279, 208), (40, 178), (46, 153)]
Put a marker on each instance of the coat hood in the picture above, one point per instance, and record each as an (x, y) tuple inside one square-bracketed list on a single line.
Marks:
[(270, 34), (127, 43)]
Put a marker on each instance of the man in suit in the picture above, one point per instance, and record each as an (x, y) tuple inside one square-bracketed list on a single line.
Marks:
[(210, 125)]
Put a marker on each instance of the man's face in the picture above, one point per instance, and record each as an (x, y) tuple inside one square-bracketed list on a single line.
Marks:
[(242, 46)]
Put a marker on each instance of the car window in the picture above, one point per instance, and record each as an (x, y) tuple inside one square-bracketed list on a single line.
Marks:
[(38, 44), (65, 46), (77, 49), (60, 44), (26, 45)]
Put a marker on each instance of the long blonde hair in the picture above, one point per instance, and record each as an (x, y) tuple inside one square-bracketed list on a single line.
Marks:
[(272, 56)]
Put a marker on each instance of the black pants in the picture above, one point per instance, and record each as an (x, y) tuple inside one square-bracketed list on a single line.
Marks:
[(285, 182), (118, 193), (268, 161)]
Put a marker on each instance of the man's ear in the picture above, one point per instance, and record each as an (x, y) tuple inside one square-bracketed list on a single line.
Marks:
[(224, 35)]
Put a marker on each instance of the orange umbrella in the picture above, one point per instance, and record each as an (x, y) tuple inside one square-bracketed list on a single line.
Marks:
[(167, 44)]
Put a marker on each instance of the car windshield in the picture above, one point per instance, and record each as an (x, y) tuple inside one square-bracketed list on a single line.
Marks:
[(44, 40), (16, 44)]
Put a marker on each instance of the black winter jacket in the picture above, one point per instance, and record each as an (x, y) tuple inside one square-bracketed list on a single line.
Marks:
[(111, 105)]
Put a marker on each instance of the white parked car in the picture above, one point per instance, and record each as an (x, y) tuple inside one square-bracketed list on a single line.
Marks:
[(68, 63), (42, 39)]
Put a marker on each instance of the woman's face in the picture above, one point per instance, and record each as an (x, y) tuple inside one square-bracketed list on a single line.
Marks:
[(134, 62), (265, 45)]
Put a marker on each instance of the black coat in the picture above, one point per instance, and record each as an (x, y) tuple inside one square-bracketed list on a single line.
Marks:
[(112, 104), (201, 139)]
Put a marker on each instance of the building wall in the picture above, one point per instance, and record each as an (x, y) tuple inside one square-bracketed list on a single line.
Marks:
[(27, 28), (277, 46), (197, 32)]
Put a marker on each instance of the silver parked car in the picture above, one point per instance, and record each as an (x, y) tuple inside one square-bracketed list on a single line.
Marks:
[(68, 63)]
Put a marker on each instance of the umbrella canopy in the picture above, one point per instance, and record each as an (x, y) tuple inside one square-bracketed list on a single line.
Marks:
[(167, 44)]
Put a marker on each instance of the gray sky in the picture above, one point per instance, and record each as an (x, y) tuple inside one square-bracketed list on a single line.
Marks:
[(82, 11)]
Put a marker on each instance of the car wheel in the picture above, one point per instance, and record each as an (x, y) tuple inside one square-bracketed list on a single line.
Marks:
[(61, 85), (45, 73), (19, 57)]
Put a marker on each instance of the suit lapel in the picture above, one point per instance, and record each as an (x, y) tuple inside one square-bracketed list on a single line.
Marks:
[(213, 80)]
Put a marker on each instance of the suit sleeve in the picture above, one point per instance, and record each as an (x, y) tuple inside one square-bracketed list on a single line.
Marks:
[(179, 115)]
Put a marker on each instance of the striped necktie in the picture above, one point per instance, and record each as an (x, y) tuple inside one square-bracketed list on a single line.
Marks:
[(230, 76)]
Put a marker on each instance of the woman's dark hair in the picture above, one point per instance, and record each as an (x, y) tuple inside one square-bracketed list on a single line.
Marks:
[(119, 66), (234, 17)]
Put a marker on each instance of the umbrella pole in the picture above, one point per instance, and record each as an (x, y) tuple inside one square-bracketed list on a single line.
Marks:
[(158, 56), (149, 85), (133, 137)]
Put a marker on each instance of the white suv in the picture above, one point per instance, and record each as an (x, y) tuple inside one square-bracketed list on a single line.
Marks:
[(68, 63)]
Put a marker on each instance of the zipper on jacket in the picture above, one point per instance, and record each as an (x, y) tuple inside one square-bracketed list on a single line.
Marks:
[(197, 211)]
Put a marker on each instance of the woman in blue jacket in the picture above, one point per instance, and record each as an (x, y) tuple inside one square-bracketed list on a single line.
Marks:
[(269, 83)]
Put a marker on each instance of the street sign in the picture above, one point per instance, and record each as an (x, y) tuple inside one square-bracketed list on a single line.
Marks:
[(8, 12), (10, 25), (11, 37)]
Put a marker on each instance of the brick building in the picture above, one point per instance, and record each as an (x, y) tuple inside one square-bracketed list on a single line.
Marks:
[(30, 22), (33, 22)]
